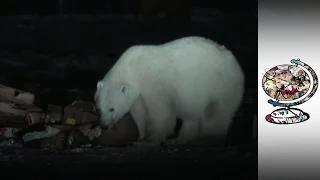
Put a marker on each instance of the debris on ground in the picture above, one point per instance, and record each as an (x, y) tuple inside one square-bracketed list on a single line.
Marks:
[(72, 126), (80, 112), (75, 125), (49, 132)]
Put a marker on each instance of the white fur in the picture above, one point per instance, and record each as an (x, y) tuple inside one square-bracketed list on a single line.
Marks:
[(192, 78)]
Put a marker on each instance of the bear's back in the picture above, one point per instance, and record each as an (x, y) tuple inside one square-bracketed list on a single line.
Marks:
[(191, 64), (204, 70), (192, 70)]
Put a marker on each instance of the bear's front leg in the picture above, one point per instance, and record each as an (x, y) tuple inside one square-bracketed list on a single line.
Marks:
[(138, 113), (156, 134), (189, 133), (161, 119)]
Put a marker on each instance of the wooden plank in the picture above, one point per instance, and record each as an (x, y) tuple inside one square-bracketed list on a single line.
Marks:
[(10, 109), (16, 95)]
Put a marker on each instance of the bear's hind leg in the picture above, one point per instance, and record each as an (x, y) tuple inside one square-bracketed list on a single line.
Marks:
[(213, 131)]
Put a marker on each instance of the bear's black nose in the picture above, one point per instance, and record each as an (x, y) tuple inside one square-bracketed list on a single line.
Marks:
[(103, 126)]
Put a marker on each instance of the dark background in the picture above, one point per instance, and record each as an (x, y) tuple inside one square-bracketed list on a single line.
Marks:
[(58, 49)]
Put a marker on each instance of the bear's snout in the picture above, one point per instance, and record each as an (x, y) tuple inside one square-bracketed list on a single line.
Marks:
[(98, 110), (103, 125), (106, 124)]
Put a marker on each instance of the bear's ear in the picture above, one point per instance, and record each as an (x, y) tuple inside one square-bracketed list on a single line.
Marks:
[(99, 85), (124, 89)]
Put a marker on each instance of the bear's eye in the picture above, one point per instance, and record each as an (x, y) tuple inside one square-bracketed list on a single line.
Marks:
[(111, 109)]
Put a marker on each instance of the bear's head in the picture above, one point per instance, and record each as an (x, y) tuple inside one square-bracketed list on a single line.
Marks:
[(113, 100)]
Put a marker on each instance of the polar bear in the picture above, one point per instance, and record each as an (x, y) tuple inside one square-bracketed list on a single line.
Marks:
[(192, 78)]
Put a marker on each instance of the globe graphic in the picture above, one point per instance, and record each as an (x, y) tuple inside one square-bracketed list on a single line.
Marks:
[(289, 85)]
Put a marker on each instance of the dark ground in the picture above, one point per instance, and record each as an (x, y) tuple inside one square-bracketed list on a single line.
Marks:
[(61, 58), (237, 162)]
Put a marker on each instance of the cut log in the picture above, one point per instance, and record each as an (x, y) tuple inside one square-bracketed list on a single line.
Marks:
[(16, 95), (12, 109)]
